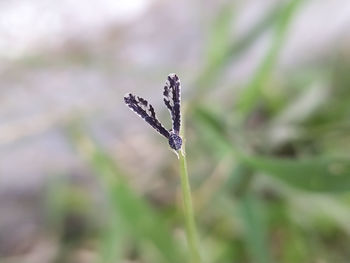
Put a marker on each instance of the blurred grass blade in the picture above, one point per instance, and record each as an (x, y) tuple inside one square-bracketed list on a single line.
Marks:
[(210, 119), (218, 42), (315, 174), (112, 246), (251, 212), (231, 52), (138, 219), (217, 144), (255, 229), (330, 175), (214, 129), (252, 92)]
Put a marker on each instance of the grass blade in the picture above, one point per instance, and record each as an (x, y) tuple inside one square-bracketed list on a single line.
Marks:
[(138, 219), (252, 92)]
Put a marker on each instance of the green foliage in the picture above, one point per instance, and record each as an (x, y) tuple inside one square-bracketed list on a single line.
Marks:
[(250, 95), (133, 217), (328, 175), (284, 194)]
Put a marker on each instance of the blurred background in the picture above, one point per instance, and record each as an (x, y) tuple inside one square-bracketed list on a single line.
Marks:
[(266, 105)]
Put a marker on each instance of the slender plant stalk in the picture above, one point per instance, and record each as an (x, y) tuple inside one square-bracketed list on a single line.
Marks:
[(191, 231)]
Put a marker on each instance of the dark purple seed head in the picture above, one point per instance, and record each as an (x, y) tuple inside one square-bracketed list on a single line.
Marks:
[(175, 141)]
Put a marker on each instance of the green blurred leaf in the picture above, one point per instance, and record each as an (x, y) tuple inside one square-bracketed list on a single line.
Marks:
[(213, 131), (255, 229), (112, 239), (253, 91), (314, 174), (230, 53), (218, 42), (330, 175), (211, 119), (136, 217)]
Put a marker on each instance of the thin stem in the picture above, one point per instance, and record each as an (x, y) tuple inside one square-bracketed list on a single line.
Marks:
[(191, 231)]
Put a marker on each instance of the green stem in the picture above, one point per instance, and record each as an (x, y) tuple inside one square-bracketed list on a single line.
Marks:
[(188, 211)]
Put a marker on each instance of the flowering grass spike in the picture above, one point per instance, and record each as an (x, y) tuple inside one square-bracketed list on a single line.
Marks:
[(172, 99)]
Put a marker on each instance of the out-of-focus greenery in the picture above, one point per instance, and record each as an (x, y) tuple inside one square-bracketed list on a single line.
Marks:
[(279, 189)]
